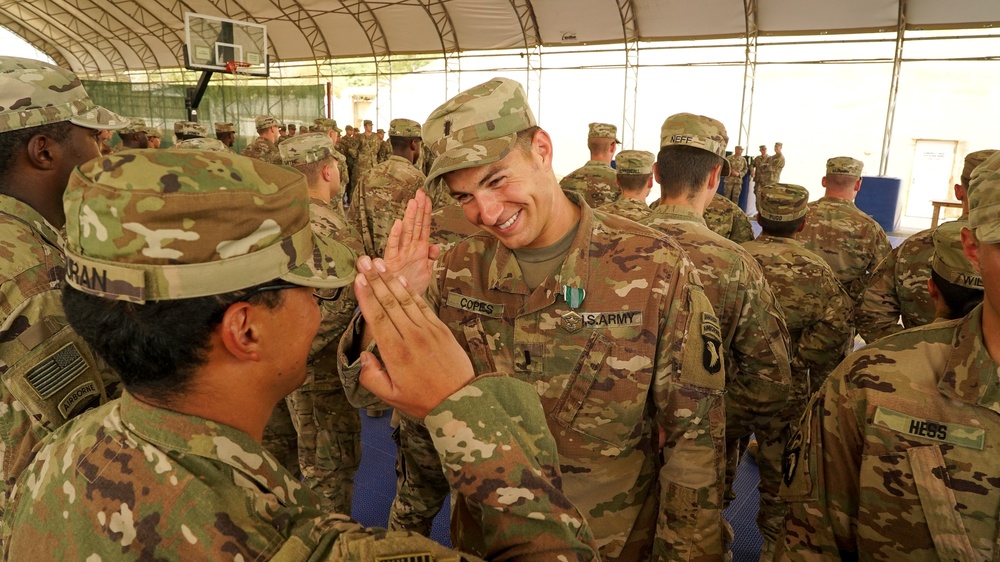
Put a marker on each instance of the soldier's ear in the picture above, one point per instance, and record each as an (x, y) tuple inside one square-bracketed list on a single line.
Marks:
[(541, 145), (970, 247), (41, 152), (656, 172)]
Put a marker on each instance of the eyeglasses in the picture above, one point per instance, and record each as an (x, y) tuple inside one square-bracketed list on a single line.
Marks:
[(282, 286)]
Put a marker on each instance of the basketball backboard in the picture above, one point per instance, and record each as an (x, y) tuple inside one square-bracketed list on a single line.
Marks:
[(212, 42)]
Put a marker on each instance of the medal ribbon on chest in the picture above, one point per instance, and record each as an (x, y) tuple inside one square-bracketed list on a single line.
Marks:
[(571, 321)]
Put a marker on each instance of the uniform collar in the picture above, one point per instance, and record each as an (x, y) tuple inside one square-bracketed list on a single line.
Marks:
[(836, 201), (399, 158), (598, 164), (196, 436), (506, 276), (971, 375), (779, 240), (28, 215), (679, 213)]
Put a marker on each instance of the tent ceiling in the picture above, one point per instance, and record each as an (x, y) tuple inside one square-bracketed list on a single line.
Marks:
[(102, 38)]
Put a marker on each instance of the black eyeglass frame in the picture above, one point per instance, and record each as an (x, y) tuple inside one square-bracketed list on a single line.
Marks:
[(283, 286)]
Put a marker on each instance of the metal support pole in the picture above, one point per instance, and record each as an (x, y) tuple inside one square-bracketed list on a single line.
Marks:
[(890, 113), (194, 95), (749, 72), (383, 83), (630, 34), (533, 80)]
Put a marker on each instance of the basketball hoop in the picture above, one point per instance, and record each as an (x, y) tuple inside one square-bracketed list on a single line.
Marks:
[(237, 67)]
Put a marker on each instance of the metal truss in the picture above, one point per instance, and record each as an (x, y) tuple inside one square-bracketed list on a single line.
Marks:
[(749, 71), (532, 52), (890, 113), (630, 37)]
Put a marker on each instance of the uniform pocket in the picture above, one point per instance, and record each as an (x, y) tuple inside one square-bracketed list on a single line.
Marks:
[(606, 393)]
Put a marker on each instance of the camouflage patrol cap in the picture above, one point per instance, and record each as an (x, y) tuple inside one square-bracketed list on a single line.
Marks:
[(305, 149), (699, 131), (34, 93), (777, 144), (155, 133), (984, 200), (324, 124), (762, 147), (267, 121), (134, 126), (603, 131), (202, 143), (844, 165), (367, 122), (224, 128), (782, 202), (146, 225), (949, 259), (190, 128), (477, 127), (973, 160), (634, 162), (380, 131), (404, 128)]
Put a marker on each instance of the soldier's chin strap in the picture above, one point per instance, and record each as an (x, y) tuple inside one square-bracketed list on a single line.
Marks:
[(138, 283)]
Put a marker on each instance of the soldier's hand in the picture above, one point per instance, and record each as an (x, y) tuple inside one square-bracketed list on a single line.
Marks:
[(408, 251), (424, 364)]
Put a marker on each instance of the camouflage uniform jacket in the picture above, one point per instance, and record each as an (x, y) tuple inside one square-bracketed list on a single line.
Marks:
[(132, 481), (642, 353), (380, 198), (597, 181), (754, 344), (760, 169), (898, 288), (847, 239), (365, 149), (449, 226), (894, 459), (632, 209), (737, 164), (263, 149), (817, 311), (775, 164), (728, 220), (384, 151), (49, 373)]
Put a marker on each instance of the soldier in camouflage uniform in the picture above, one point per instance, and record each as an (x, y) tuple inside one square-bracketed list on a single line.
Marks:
[(754, 338), (606, 320), (898, 287), (365, 151), (329, 126), (263, 147), (759, 169), (894, 458), (728, 220), (955, 286), (348, 147), (382, 194), (201, 143), (816, 309), (384, 149), (733, 183), (154, 136), (226, 132), (170, 472), (49, 373), (595, 180), (132, 135), (840, 233), (634, 175), (185, 130), (328, 427), (776, 163)]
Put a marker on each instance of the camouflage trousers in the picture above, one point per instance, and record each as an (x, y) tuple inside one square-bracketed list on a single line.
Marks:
[(732, 188), (329, 441), (421, 499)]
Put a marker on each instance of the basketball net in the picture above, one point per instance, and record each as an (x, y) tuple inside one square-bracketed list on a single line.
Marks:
[(240, 71)]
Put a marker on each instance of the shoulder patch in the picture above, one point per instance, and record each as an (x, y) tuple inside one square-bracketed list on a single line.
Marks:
[(711, 335)]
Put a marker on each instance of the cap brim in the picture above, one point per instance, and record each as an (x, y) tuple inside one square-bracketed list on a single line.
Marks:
[(471, 155), (330, 267), (726, 168), (99, 118)]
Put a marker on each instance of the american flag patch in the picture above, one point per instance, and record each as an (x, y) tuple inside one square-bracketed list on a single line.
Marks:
[(56, 371), (421, 557)]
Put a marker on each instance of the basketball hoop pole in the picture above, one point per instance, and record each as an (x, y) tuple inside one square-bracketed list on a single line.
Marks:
[(194, 95)]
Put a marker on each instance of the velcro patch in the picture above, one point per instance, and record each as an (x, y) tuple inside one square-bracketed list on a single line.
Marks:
[(611, 319), (952, 433), (78, 398), (469, 304), (56, 371), (420, 557)]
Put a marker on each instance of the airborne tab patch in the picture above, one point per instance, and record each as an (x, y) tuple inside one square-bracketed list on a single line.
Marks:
[(469, 304), (953, 433)]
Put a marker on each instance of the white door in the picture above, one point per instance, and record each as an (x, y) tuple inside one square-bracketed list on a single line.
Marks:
[(930, 178)]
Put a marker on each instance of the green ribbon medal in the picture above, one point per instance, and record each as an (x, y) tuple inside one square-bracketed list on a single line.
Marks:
[(571, 321)]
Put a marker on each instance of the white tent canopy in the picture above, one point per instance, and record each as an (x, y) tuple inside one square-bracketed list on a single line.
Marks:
[(105, 38)]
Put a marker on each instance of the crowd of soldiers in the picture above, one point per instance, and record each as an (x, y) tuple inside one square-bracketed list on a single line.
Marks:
[(188, 335)]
